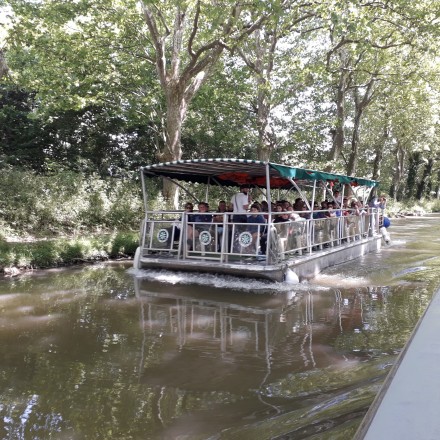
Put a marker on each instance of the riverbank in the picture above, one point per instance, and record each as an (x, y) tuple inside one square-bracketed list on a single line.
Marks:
[(18, 256)]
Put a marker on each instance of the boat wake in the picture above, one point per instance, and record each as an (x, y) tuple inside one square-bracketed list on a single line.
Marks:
[(336, 280), (219, 281)]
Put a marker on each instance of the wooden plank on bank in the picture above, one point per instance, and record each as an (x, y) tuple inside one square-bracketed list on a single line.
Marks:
[(408, 404)]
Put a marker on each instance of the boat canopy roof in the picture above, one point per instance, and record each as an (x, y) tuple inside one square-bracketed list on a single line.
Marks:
[(236, 172)]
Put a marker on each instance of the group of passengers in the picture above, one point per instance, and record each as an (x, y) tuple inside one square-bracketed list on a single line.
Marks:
[(242, 209)]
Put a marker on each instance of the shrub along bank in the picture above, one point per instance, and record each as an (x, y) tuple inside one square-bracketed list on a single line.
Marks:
[(65, 218), (16, 256), (66, 202)]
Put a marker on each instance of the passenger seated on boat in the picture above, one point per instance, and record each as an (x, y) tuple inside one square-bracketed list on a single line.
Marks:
[(201, 217), (174, 231), (277, 208), (282, 217), (254, 219), (323, 210), (305, 213), (222, 208), (331, 224), (357, 214), (331, 210), (378, 202), (316, 209), (290, 233), (198, 224)]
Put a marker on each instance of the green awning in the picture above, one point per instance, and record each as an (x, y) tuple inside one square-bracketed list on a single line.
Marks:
[(305, 174), (234, 172)]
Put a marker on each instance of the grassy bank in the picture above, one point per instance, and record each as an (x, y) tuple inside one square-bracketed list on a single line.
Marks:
[(38, 212), (16, 256)]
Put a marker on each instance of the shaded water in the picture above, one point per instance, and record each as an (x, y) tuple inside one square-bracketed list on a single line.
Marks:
[(104, 352)]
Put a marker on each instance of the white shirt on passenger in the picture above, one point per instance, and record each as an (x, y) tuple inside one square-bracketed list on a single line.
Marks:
[(239, 201)]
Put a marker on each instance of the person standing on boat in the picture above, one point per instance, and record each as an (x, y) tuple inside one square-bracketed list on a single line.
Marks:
[(240, 203)]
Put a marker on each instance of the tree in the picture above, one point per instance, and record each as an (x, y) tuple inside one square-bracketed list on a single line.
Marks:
[(370, 44), (183, 40), (22, 136), (4, 69), (262, 55)]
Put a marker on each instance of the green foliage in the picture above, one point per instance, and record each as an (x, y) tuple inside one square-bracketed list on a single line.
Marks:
[(435, 206), (87, 96), (124, 243), (91, 140), (22, 137), (61, 252), (67, 202)]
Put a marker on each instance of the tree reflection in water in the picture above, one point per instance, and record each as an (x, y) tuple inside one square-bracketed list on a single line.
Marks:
[(100, 354)]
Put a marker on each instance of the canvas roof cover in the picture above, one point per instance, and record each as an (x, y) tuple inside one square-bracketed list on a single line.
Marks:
[(234, 172)]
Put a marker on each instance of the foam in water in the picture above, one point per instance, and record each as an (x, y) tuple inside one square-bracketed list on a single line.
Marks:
[(336, 280), (218, 281)]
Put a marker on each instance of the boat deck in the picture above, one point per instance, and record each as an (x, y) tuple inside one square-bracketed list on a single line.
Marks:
[(408, 405), (304, 265)]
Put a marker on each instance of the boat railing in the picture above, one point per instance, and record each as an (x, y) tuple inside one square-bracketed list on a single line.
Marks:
[(171, 234)]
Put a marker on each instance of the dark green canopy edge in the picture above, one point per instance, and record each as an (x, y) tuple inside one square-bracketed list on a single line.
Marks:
[(231, 172), (304, 174)]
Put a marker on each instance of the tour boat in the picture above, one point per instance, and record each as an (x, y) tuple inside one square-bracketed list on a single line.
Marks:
[(299, 248)]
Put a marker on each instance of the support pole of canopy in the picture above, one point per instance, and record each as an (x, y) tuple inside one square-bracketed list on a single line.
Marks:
[(300, 192), (207, 189), (144, 191), (268, 197), (230, 193), (269, 210), (313, 195), (182, 188)]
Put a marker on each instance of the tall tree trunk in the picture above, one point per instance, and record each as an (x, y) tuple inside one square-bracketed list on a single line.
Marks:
[(414, 161), (265, 148), (352, 161), (360, 104), (399, 171), (175, 116), (379, 149), (338, 130), (425, 181), (3, 65), (183, 63), (262, 66)]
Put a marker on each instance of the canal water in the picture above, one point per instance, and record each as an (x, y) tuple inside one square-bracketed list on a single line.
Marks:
[(106, 352)]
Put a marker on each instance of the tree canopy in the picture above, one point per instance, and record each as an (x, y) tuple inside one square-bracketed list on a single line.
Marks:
[(102, 86)]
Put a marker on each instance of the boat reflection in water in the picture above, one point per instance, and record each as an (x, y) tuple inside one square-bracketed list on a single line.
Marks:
[(257, 359)]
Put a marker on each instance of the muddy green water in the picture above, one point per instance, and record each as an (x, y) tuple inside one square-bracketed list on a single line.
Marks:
[(105, 352)]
